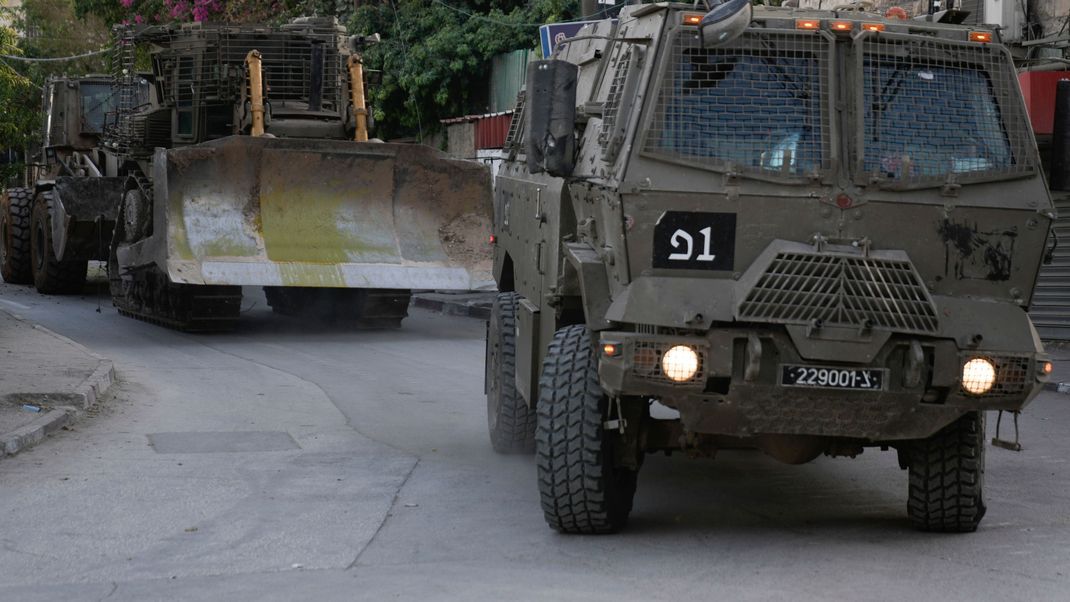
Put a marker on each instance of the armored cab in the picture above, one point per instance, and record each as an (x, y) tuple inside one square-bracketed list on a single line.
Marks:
[(817, 236)]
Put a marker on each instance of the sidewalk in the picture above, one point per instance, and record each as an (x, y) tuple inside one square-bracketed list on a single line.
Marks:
[(45, 380)]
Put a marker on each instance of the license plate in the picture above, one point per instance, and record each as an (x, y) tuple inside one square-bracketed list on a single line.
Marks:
[(823, 377)]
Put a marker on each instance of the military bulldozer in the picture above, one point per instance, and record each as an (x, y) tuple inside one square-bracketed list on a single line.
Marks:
[(243, 159), (804, 232)]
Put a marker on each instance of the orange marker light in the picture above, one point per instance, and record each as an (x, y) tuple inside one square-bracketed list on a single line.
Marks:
[(692, 18), (611, 349), (873, 26), (1047, 367), (807, 24), (981, 36), (841, 26)]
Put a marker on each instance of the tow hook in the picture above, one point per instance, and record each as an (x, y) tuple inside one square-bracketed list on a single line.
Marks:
[(618, 423), (1005, 444)]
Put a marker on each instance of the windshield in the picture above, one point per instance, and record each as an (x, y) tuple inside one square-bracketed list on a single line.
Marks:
[(930, 121), (97, 102), (931, 111), (757, 108)]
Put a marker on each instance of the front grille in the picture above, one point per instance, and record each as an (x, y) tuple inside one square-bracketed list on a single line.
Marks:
[(1013, 375), (841, 290), (646, 363)]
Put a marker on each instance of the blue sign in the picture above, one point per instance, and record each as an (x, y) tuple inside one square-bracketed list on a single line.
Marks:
[(555, 33)]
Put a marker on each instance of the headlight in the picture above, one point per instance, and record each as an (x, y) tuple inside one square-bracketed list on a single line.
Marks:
[(680, 363), (978, 376)]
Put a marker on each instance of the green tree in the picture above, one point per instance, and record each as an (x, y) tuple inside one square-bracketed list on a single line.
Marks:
[(52, 29), (435, 55), (49, 29), (18, 116)]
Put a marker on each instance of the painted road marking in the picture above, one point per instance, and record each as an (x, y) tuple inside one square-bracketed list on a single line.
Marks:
[(13, 304)]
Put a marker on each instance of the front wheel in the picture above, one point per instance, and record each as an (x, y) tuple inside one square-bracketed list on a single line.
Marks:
[(582, 487), (50, 275), (947, 477), (15, 208)]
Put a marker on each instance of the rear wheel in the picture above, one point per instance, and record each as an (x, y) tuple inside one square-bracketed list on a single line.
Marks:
[(510, 420), (581, 486), (50, 275), (947, 477), (15, 209)]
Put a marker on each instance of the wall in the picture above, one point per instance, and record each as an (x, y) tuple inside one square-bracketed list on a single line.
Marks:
[(508, 73), (461, 139)]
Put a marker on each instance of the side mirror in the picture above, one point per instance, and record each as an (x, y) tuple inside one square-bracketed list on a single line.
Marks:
[(725, 22), (550, 128)]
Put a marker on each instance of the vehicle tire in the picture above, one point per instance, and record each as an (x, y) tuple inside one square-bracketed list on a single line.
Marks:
[(510, 421), (15, 208), (947, 474), (581, 489), (50, 275)]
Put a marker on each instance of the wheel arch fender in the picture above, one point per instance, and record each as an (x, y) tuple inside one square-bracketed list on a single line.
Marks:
[(57, 218), (503, 272), (593, 283)]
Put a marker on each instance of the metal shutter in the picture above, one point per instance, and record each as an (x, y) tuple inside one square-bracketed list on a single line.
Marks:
[(1051, 299)]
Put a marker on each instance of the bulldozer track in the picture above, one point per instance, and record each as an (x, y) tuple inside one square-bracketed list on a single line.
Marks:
[(151, 297)]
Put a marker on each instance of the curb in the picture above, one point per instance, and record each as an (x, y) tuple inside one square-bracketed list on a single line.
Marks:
[(450, 308), (31, 434), (85, 396)]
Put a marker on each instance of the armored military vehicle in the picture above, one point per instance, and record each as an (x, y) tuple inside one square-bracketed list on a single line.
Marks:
[(244, 158), (816, 235)]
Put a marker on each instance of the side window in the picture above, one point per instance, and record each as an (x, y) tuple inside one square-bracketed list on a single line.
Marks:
[(185, 97), (98, 100)]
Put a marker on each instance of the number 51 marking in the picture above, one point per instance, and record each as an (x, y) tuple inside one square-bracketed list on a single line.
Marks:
[(682, 235)]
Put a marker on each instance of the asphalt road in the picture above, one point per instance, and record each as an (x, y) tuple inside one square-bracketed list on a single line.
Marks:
[(290, 460)]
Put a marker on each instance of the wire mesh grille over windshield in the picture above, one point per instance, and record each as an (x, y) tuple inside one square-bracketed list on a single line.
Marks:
[(933, 109), (202, 62), (756, 105)]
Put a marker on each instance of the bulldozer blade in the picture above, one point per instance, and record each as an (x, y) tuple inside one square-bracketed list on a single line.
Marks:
[(322, 213)]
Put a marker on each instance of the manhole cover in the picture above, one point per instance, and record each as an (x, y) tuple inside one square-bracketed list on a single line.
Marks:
[(221, 442)]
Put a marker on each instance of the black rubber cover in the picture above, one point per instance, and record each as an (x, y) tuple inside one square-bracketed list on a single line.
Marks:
[(550, 135)]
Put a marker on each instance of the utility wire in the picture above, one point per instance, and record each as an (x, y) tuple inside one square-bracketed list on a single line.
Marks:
[(57, 59)]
